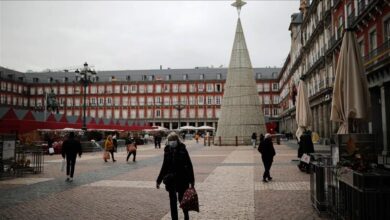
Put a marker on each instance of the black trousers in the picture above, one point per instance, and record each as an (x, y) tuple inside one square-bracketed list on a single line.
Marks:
[(267, 162), (70, 164), (112, 154), (130, 153), (173, 196)]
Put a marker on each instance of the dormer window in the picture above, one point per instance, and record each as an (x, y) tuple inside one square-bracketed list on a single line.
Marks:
[(65, 79), (35, 80), (168, 77), (50, 79), (201, 76), (185, 76), (259, 75), (128, 78), (219, 76)]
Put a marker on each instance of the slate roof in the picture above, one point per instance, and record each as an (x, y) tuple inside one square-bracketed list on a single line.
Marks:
[(139, 75)]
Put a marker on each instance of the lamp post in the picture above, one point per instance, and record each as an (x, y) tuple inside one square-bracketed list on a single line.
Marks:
[(85, 76), (179, 107)]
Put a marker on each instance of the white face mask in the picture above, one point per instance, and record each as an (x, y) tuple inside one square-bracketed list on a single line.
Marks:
[(172, 143)]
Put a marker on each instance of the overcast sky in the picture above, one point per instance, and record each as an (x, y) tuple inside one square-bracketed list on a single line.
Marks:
[(121, 35)]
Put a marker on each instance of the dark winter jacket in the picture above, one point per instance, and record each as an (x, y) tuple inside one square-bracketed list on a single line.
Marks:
[(305, 145), (71, 147), (177, 163), (266, 148), (254, 136)]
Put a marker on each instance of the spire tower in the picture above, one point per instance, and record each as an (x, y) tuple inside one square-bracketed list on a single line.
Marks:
[(241, 112)]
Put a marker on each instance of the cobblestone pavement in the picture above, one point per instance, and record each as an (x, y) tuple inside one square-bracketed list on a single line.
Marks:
[(227, 181)]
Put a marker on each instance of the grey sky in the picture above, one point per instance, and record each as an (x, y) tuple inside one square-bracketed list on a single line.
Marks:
[(36, 35)]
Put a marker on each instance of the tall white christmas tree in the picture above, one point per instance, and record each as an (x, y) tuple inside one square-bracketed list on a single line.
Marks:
[(241, 112)]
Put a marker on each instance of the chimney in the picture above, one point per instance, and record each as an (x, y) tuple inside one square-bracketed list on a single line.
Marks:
[(303, 7)]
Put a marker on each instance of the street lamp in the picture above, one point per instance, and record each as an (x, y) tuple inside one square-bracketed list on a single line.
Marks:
[(179, 107), (85, 77)]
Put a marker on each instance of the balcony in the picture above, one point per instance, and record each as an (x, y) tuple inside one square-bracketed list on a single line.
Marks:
[(336, 3), (351, 19), (377, 55), (361, 6)]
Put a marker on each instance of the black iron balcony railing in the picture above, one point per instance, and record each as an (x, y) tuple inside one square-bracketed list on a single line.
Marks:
[(361, 6), (351, 19), (340, 31), (378, 54)]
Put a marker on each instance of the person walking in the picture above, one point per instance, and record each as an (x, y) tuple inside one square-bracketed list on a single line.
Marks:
[(176, 172), (253, 139), (197, 137), (70, 148), (267, 150), (131, 142), (115, 142), (109, 147), (306, 146), (157, 141)]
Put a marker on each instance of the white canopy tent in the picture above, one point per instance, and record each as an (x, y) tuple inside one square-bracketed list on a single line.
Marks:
[(188, 128), (205, 127)]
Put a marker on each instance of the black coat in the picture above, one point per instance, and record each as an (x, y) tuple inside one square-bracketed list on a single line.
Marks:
[(305, 145), (177, 162), (266, 148), (71, 148)]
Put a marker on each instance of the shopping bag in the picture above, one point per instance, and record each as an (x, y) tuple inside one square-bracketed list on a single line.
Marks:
[(131, 148), (106, 155), (51, 150), (305, 158), (63, 165), (190, 200)]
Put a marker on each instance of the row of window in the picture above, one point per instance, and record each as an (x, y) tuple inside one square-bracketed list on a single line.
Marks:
[(107, 89), (131, 101), (159, 113)]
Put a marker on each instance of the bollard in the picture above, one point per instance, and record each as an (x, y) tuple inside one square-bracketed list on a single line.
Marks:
[(236, 141), (219, 140), (209, 141)]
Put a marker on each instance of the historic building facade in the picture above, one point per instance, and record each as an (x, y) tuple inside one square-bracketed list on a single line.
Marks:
[(156, 97), (316, 34)]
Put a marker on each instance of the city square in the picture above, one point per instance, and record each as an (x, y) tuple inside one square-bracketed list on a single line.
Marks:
[(228, 181), (206, 96)]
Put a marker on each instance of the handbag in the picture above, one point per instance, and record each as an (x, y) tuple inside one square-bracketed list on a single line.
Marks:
[(131, 148), (190, 200), (51, 150), (305, 158), (106, 155)]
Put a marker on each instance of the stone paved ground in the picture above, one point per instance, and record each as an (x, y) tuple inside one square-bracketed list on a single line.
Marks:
[(227, 181)]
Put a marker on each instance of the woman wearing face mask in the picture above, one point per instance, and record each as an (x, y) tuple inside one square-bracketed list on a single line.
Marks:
[(176, 173)]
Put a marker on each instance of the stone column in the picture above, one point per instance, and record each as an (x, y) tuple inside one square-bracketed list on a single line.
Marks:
[(315, 118), (326, 121), (321, 120), (384, 121)]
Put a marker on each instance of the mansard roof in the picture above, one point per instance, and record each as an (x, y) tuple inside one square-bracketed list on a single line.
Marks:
[(142, 75)]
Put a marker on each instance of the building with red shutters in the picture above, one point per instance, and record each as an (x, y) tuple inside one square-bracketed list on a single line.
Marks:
[(139, 96)]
